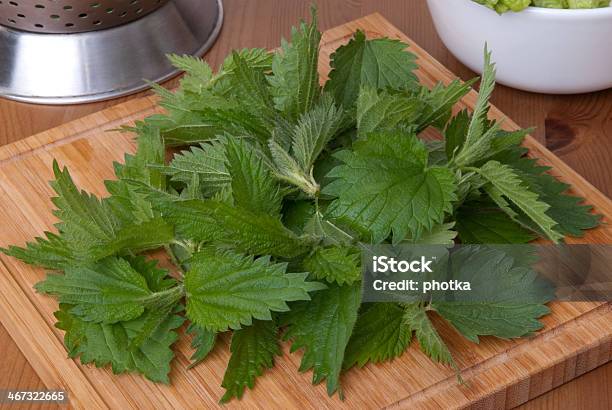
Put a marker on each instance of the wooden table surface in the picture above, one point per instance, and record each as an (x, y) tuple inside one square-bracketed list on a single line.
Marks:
[(577, 128)]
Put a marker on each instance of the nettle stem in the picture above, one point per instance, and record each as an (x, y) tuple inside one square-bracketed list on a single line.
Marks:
[(159, 300), (470, 169), (312, 189), (306, 183)]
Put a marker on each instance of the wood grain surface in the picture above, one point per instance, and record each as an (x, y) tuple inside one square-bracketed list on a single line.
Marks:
[(577, 128)]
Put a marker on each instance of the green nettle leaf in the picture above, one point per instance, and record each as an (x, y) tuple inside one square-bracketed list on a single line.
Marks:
[(253, 186), (505, 180), (51, 252), (477, 143), (108, 292), (340, 265), (507, 302), (201, 108), (153, 356), (237, 120), (328, 232), (455, 133), (256, 58), (251, 83), (380, 334), (287, 169), (480, 224), (252, 88), (571, 215), (386, 186), (437, 152), (314, 130), (203, 116), (127, 203), (322, 327), (497, 141), (104, 344), (179, 127), (504, 140), (157, 279), (198, 73), (283, 132), (296, 214), (138, 237), (219, 223), (498, 198), (416, 320), (479, 121), (379, 64), (199, 77), (207, 162), (380, 110), (90, 229), (439, 102), (442, 234), (253, 349), (95, 342), (203, 342), (150, 152), (226, 290), (74, 328), (295, 83), (85, 220)]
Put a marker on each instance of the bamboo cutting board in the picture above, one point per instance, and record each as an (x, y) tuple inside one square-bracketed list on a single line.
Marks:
[(498, 374)]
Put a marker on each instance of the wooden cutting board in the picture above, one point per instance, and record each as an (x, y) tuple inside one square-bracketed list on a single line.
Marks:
[(498, 374)]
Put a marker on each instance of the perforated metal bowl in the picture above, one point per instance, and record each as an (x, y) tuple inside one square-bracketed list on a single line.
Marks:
[(73, 16), (73, 51)]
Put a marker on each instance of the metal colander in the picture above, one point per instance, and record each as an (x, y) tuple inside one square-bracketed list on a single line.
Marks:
[(72, 16), (73, 51)]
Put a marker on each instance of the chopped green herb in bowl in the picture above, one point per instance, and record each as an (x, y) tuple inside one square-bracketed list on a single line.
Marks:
[(502, 6)]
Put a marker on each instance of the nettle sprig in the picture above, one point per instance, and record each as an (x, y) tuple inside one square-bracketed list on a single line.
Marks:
[(264, 210)]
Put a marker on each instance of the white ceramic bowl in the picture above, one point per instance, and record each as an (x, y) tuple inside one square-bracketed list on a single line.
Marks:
[(541, 50)]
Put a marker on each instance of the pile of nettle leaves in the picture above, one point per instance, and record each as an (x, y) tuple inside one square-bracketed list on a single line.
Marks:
[(264, 210)]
